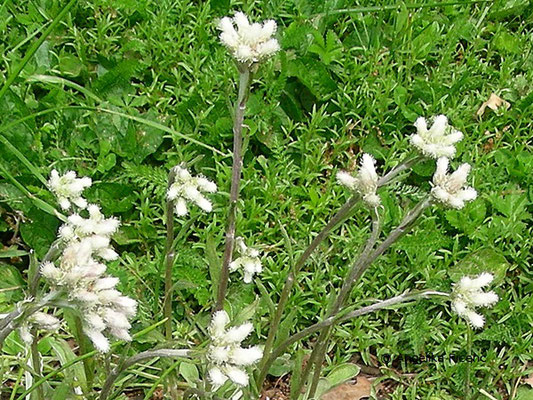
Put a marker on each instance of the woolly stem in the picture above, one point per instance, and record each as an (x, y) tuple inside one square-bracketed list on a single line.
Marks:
[(357, 270), (145, 355), (339, 318), (342, 214), (244, 90), (322, 342), (169, 259), (36, 363), (15, 318)]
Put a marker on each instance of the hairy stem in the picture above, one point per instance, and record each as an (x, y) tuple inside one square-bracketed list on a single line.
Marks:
[(403, 166), (145, 355), (289, 283), (52, 254), (244, 90), (362, 265), (318, 355), (342, 214), (340, 317), (36, 362), (22, 312), (169, 260)]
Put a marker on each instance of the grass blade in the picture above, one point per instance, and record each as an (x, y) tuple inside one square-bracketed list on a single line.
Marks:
[(33, 49)]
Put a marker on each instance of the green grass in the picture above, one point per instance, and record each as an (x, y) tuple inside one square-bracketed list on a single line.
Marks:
[(344, 83)]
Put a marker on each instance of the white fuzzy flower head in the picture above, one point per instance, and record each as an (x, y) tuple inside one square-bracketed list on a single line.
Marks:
[(249, 43), (226, 356), (468, 295), (437, 141), (68, 188), (248, 260), (365, 183), (80, 273), (451, 189), (188, 189)]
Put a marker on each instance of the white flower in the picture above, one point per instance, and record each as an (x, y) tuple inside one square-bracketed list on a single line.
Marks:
[(80, 271), (437, 141), (365, 183), (188, 188), (226, 354), (249, 43), (45, 321), (68, 188), (468, 294), (249, 260), (450, 189)]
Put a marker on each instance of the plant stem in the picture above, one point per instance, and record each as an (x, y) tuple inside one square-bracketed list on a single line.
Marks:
[(337, 218), (342, 214), (244, 90), (357, 270), (36, 362), (403, 166), (13, 320), (169, 260), (468, 364), (339, 318), (145, 355), (321, 344)]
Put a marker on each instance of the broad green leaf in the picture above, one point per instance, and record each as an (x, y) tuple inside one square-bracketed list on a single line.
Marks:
[(337, 376), (190, 373), (39, 231), (484, 260), (73, 374), (12, 252)]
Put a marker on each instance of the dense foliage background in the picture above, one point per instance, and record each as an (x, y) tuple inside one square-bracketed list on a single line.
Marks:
[(97, 92)]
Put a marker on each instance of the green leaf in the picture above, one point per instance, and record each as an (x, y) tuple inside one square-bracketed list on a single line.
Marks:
[(337, 376), (484, 260), (12, 252), (468, 219), (190, 373), (114, 197), (39, 231), (74, 374), (214, 263), (11, 284)]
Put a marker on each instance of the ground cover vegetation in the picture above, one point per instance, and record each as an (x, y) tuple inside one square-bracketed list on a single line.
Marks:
[(124, 91)]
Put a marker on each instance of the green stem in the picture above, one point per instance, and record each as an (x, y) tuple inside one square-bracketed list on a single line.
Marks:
[(468, 364), (169, 260), (244, 91)]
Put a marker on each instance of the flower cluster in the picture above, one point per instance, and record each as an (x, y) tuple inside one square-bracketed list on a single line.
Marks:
[(365, 183), (226, 355), (450, 189), (188, 188), (68, 188), (467, 295), (248, 260), (249, 43), (80, 273), (437, 141)]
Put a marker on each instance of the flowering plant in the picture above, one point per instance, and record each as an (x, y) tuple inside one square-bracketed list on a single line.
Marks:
[(73, 275)]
